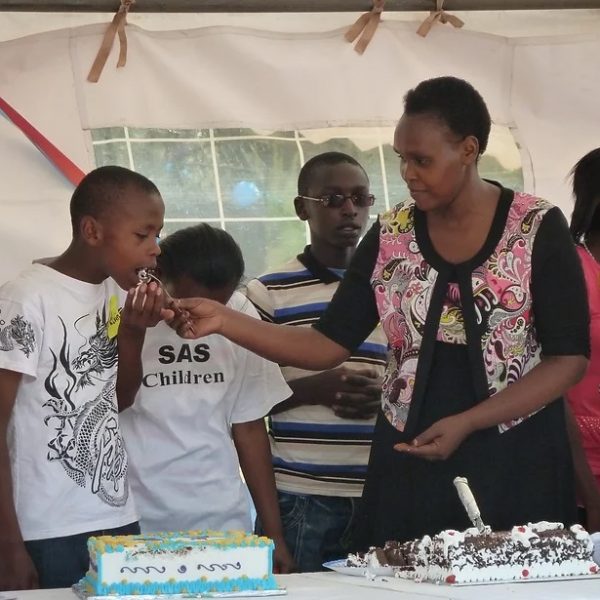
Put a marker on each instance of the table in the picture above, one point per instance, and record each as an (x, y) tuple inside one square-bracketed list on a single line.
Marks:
[(355, 588), (333, 586)]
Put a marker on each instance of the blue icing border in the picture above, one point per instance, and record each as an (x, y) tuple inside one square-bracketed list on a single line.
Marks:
[(270, 559), (191, 587)]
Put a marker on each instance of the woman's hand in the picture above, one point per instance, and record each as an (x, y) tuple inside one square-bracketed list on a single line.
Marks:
[(440, 440), (194, 317)]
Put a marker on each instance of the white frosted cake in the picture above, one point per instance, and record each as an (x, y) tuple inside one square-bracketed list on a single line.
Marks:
[(190, 562), (536, 550)]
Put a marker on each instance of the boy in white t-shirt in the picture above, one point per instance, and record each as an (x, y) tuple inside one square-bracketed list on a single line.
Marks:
[(63, 465), (199, 413)]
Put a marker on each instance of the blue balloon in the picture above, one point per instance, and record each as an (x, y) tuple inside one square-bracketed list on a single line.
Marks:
[(245, 193)]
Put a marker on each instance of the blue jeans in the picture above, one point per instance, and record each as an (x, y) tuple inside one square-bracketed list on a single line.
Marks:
[(316, 528), (63, 561)]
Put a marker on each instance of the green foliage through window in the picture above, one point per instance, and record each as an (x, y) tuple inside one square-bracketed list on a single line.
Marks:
[(245, 181)]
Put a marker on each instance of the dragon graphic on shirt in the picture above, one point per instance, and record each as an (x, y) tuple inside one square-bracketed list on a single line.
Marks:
[(18, 332), (97, 355), (86, 439)]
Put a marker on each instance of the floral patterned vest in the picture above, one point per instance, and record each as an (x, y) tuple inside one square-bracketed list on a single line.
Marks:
[(487, 306)]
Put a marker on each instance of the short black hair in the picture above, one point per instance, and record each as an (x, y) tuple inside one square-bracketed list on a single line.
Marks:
[(456, 103), (101, 189), (586, 190), (205, 254), (326, 159)]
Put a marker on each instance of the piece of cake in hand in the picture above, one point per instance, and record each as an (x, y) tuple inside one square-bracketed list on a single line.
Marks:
[(191, 562)]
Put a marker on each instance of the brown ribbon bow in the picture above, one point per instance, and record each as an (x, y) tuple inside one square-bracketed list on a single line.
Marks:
[(367, 24), (439, 14), (117, 26)]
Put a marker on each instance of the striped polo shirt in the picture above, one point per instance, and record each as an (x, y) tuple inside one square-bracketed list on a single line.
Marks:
[(314, 451)]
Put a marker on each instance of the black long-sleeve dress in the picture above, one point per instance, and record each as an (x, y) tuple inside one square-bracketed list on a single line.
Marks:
[(524, 474)]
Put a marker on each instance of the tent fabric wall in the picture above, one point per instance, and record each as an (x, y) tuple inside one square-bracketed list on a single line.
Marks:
[(543, 88), (554, 102), (34, 204), (228, 77)]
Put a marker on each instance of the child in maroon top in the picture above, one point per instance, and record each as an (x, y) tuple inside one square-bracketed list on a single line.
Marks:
[(584, 398)]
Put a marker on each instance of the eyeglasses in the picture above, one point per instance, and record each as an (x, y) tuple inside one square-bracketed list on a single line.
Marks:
[(338, 200)]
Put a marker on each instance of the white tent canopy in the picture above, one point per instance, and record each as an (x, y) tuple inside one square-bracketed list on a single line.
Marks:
[(538, 71)]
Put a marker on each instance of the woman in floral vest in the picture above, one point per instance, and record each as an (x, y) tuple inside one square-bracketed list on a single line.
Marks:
[(481, 295)]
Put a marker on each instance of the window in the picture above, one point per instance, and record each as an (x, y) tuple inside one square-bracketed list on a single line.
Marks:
[(244, 180)]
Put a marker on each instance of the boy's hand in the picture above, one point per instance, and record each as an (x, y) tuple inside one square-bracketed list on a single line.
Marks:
[(143, 306), (17, 571), (360, 395), (283, 561), (350, 393)]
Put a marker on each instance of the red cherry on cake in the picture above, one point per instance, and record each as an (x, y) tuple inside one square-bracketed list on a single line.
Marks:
[(593, 569), (521, 529), (525, 573), (451, 579)]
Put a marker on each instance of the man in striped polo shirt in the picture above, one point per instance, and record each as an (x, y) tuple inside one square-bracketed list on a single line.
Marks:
[(321, 436)]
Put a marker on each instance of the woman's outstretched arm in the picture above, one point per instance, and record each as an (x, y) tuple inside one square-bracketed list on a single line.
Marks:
[(302, 347)]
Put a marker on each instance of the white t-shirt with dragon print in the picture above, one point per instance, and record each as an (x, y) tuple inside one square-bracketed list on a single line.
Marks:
[(68, 460)]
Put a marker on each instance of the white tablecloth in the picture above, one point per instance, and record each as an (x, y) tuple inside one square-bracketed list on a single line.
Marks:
[(353, 588), (333, 586)]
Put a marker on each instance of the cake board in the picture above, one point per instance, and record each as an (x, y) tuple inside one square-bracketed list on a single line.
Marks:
[(386, 575)]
